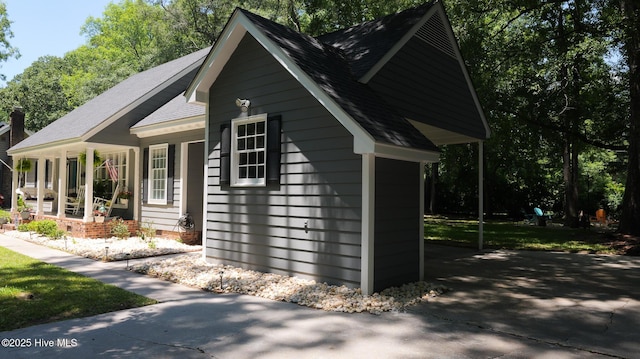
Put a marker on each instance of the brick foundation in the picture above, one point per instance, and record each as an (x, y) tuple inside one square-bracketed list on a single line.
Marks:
[(77, 228)]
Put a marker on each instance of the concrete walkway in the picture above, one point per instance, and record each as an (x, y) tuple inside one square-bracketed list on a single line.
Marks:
[(502, 304)]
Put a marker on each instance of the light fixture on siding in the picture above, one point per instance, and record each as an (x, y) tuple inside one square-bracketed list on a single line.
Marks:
[(243, 104)]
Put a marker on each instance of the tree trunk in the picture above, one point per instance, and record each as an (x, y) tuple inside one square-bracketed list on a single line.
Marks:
[(630, 219)]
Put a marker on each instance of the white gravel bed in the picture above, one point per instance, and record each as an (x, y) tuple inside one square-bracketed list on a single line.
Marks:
[(192, 270), (110, 249)]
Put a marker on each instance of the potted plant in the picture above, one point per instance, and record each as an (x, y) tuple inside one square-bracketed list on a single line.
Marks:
[(97, 160), (23, 208), (124, 197), (22, 166)]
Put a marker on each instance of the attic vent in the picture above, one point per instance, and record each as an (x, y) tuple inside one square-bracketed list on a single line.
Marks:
[(433, 33)]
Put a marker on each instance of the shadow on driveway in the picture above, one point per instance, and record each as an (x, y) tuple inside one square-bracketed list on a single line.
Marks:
[(589, 302)]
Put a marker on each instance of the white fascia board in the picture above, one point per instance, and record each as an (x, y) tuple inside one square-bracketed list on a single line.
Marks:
[(396, 152), (181, 125), (44, 148), (198, 90), (310, 85), (463, 66)]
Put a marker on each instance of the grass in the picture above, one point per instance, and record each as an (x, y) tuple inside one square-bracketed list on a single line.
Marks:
[(34, 292), (509, 235)]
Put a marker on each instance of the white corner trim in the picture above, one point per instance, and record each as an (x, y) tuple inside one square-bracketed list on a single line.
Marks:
[(368, 221)]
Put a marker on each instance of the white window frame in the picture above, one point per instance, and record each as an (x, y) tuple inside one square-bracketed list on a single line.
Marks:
[(151, 199), (236, 180)]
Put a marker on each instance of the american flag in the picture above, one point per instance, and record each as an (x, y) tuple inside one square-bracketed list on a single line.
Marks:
[(113, 171)]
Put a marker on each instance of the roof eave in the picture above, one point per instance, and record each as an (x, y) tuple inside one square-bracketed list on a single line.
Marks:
[(169, 127)]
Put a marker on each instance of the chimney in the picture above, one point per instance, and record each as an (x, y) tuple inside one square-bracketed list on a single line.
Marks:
[(17, 126)]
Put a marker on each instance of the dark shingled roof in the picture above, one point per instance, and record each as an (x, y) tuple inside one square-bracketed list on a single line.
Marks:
[(365, 44), (331, 69), (108, 104), (175, 109)]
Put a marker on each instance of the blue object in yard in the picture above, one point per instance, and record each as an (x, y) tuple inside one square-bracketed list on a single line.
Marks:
[(542, 221)]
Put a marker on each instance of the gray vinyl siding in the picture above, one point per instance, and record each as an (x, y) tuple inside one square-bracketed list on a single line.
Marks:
[(264, 228), (165, 217), (439, 96), (397, 223)]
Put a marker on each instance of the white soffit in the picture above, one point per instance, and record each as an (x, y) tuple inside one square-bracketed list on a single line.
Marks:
[(441, 136)]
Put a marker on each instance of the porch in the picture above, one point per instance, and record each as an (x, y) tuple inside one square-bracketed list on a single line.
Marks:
[(65, 186)]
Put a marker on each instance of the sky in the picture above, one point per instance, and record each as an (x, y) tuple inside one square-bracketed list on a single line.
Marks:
[(46, 27)]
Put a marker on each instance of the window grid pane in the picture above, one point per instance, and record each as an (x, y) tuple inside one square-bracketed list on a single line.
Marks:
[(158, 173), (250, 150)]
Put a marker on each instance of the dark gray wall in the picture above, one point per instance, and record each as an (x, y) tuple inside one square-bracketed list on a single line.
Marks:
[(437, 94), (264, 228), (397, 223), (165, 217)]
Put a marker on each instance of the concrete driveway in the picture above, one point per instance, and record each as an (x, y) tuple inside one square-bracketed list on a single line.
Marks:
[(502, 304)]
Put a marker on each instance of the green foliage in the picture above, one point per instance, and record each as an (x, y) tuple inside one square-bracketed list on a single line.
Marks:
[(6, 215), (119, 229), (6, 50), (45, 227), (57, 294), (146, 230), (22, 205)]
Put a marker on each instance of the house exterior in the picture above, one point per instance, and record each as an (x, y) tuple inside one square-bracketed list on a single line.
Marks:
[(104, 128), (295, 155), (315, 147)]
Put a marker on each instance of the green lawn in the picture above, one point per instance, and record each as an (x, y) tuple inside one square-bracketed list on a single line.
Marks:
[(510, 235), (34, 292)]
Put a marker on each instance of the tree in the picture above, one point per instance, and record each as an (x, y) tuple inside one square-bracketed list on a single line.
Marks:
[(39, 92), (630, 40), (6, 50)]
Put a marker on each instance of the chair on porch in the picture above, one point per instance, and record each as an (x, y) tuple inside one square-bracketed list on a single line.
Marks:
[(74, 204), (99, 202)]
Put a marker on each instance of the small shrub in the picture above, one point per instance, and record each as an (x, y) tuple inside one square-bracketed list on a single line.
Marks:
[(45, 227), (152, 243), (146, 231), (119, 229), (6, 215)]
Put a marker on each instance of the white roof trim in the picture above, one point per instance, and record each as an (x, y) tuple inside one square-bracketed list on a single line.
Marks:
[(227, 42), (441, 136), (198, 90), (168, 127), (396, 152)]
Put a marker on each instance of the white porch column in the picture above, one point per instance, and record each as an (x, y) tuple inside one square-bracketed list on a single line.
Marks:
[(137, 192), (14, 187), (421, 231), (88, 183), (184, 159), (368, 221), (62, 184), (40, 184), (480, 195)]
